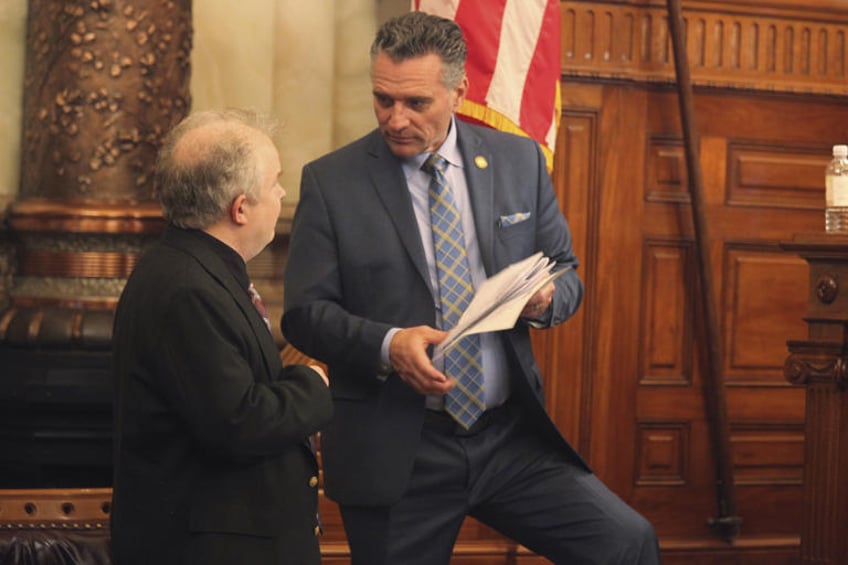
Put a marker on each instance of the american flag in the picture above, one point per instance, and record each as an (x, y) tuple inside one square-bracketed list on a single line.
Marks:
[(513, 64)]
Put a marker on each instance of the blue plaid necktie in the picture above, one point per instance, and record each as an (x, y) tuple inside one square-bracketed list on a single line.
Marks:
[(464, 401)]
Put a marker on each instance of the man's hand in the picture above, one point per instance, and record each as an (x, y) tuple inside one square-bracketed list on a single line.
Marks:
[(409, 358), (320, 370), (539, 302)]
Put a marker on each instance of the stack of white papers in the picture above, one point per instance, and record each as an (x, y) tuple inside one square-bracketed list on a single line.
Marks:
[(500, 299)]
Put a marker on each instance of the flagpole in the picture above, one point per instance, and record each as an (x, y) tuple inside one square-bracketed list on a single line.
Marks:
[(727, 521)]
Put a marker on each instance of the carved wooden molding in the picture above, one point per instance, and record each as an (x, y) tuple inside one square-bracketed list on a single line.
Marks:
[(71, 509), (730, 45), (58, 323), (810, 362), (86, 216), (90, 264)]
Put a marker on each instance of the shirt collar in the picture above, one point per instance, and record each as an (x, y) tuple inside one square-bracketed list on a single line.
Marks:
[(234, 262), (449, 149)]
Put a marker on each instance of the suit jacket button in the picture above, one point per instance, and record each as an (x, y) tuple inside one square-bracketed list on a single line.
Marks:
[(313, 482)]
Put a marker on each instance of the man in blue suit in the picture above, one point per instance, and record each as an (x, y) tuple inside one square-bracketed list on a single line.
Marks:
[(362, 294)]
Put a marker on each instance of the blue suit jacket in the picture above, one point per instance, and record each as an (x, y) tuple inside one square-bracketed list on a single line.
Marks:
[(356, 268)]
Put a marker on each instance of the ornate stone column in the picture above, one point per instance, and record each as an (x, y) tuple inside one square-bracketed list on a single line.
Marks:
[(103, 80)]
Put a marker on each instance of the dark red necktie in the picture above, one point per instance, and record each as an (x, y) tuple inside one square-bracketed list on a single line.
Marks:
[(260, 306)]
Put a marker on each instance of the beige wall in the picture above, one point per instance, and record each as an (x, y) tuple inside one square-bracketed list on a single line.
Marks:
[(304, 62), (12, 23)]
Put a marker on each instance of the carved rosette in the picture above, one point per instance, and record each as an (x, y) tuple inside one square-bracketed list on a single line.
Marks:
[(104, 80), (827, 288)]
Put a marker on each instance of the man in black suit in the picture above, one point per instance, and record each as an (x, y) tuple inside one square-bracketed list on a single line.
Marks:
[(213, 463), (365, 289)]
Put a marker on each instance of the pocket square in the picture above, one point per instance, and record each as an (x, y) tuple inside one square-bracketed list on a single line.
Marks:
[(513, 219)]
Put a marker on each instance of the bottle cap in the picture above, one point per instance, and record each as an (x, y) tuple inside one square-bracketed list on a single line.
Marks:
[(840, 151)]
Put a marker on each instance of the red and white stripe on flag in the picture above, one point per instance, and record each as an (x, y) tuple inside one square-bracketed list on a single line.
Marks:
[(513, 64)]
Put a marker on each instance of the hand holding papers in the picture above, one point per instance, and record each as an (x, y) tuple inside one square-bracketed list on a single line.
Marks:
[(500, 299)]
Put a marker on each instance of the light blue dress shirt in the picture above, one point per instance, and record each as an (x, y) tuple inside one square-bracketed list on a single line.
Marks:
[(496, 379)]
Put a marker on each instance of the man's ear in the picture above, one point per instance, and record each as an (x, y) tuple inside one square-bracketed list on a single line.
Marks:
[(238, 213), (460, 91)]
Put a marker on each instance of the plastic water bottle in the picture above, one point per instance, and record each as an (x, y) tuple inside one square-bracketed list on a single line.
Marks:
[(836, 183)]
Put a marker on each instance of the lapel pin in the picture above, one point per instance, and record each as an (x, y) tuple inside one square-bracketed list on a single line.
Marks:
[(481, 162)]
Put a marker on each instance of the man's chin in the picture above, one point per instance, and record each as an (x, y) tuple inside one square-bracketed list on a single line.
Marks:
[(403, 150)]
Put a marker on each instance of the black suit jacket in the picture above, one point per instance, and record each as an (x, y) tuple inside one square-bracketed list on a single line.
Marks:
[(356, 268), (210, 437)]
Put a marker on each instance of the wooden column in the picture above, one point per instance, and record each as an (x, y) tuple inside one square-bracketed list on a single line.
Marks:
[(820, 363)]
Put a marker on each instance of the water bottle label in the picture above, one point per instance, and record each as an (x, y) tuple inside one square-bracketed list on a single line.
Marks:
[(837, 191)]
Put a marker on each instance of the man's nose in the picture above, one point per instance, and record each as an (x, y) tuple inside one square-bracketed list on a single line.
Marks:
[(398, 118)]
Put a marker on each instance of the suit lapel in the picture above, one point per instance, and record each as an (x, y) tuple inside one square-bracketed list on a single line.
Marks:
[(216, 268), (390, 184), (387, 176), (477, 160)]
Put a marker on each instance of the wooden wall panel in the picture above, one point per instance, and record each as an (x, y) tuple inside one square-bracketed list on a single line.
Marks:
[(613, 293), (777, 176), (666, 173), (762, 311), (666, 315), (770, 87), (768, 454), (662, 454), (566, 386)]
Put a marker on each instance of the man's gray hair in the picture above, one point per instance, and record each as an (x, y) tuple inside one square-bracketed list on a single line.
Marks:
[(208, 160), (415, 34)]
